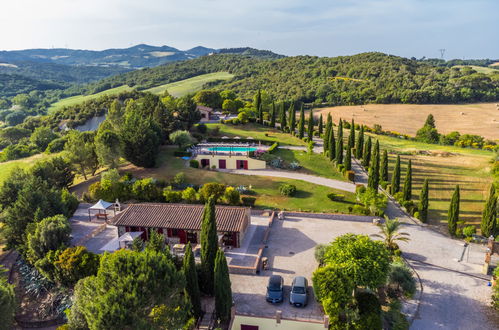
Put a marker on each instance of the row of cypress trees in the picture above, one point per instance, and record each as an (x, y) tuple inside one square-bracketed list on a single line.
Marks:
[(214, 268)]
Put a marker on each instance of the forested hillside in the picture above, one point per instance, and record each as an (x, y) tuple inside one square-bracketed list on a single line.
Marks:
[(358, 79), (13, 84)]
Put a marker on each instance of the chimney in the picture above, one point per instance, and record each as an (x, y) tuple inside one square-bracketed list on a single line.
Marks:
[(278, 315)]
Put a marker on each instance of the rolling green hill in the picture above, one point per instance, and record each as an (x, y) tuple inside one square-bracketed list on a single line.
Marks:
[(82, 98), (183, 87), (480, 69)]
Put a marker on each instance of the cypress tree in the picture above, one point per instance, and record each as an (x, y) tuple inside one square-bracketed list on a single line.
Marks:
[(348, 159), (223, 291), (282, 119), (331, 144), (209, 244), (191, 281), (310, 125), (383, 172), (292, 118), (301, 125), (373, 179), (320, 128), (453, 215), (339, 144), (408, 183), (360, 143), (326, 138), (258, 103), (273, 115), (366, 154), (260, 114), (424, 202), (351, 137), (396, 177), (489, 222)]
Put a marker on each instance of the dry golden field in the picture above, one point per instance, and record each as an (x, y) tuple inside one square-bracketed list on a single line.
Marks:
[(479, 118)]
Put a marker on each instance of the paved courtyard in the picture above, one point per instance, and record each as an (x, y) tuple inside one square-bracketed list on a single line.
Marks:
[(291, 253)]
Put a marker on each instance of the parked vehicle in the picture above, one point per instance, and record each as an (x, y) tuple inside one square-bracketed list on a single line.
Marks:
[(298, 296), (275, 289)]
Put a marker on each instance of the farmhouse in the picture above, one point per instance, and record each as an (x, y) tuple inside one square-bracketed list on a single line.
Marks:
[(181, 223), (231, 162), (206, 113)]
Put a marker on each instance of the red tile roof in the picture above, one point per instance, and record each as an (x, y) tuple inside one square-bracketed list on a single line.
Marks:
[(181, 216)]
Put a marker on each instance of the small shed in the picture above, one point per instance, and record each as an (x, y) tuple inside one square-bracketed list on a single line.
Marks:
[(101, 207)]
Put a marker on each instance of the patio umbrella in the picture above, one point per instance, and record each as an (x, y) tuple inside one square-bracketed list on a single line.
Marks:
[(237, 138), (225, 137), (249, 138)]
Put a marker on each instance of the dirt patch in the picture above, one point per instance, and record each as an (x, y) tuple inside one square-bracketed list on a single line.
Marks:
[(479, 118)]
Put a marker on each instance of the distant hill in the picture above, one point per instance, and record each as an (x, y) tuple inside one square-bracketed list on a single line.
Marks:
[(13, 84)]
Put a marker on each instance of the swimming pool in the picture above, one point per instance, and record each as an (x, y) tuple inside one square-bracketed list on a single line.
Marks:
[(233, 149)]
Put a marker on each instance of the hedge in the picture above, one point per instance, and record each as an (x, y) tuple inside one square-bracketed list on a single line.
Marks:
[(265, 142), (273, 147), (182, 154)]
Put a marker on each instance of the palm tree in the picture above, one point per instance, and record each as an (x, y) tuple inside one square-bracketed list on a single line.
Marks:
[(390, 233)]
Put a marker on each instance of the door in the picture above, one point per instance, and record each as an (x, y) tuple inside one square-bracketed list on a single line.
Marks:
[(205, 163), (222, 163), (245, 164), (249, 327)]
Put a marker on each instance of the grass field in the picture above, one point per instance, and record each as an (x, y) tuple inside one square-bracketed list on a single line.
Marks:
[(183, 87), (7, 167), (479, 118), (479, 69), (445, 167), (257, 132), (82, 98), (309, 197)]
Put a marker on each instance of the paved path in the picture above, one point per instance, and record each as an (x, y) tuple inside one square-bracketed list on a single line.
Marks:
[(455, 293)]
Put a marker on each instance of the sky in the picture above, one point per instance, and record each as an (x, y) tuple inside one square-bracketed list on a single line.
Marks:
[(464, 28)]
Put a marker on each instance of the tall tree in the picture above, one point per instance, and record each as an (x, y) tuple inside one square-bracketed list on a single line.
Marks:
[(108, 148), (408, 182), (489, 215), (292, 118), (395, 186), (260, 114), (273, 115), (339, 144), (80, 150), (310, 125), (209, 244), (7, 303), (351, 137), (321, 123), (258, 105), (366, 153), (326, 138), (453, 214), (191, 280), (51, 233), (301, 124), (373, 180), (424, 202), (383, 171), (282, 116), (390, 233), (223, 291), (331, 144), (360, 143), (348, 159)]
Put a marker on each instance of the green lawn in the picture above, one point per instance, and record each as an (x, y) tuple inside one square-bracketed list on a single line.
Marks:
[(315, 164), (309, 197), (183, 87), (7, 167), (82, 98), (257, 132)]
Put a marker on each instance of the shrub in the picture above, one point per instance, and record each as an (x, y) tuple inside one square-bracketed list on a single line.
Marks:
[(359, 209), (469, 231), (495, 290), (417, 215), (294, 166), (172, 196), (248, 200), (360, 189), (189, 195), (341, 168), (179, 179), (232, 196), (400, 277), (369, 311), (194, 163), (201, 128), (56, 145), (146, 190), (287, 189), (75, 263), (384, 184), (211, 189), (350, 175), (399, 197), (336, 197), (320, 250)]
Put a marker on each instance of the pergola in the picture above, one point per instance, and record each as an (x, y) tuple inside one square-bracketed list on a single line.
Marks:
[(101, 207)]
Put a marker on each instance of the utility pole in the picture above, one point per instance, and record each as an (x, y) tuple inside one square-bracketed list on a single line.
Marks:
[(442, 52)]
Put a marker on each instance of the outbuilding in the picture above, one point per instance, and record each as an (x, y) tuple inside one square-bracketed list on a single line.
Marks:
[(181, 223)]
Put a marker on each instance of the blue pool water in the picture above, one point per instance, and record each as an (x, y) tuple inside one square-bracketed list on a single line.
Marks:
[(233, 149)]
